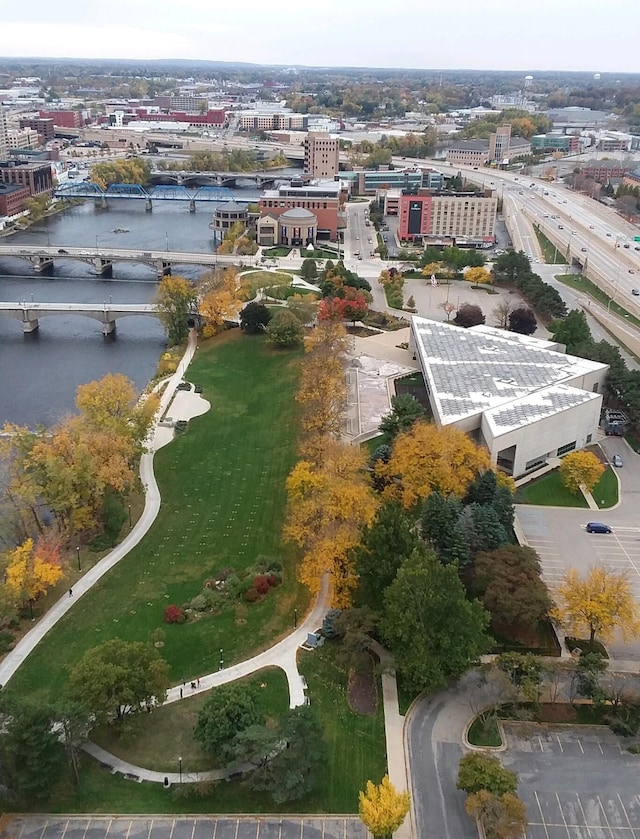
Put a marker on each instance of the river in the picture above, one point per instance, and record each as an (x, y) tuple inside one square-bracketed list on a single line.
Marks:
[(39, 372)]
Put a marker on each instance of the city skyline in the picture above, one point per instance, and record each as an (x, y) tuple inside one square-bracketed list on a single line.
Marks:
[(457, 35)]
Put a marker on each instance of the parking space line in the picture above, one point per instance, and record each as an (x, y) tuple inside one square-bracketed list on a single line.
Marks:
[(173, 824), (580, 744), (65, 829), (624, 810), (215, 828), (237, 828), (584, 815), (559, 743), (564, 821), (540, 742), (546, 832), (604, 813), (193, 828), (601, 750)]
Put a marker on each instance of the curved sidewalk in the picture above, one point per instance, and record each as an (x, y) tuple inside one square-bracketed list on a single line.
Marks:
[(28, 642)]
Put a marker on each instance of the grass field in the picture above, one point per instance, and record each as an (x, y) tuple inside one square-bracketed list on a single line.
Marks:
[(155, 740), (355, 753), (550, 253), (605, 491), (254, 280), (550, 491), (580, 283), (223, 499)]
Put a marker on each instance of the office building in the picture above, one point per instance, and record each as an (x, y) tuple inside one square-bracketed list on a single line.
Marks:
[(321, 155), (4, 139), (324, 199), (522, 398)]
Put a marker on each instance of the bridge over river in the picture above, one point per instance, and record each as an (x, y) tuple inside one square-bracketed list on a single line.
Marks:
[(29, 313), (136, 192), (101, 259)]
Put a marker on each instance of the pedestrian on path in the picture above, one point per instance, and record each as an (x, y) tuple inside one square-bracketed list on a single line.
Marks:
[(180, 693), (70, 592), (198, 682)]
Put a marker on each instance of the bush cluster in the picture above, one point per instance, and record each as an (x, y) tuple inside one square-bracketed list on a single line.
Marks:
[(174, 614)]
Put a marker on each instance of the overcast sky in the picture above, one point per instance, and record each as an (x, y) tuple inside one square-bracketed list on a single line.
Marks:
[(445, 34)]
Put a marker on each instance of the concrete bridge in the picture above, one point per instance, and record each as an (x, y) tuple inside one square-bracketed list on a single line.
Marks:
[(226, 179), (42, 258), (29, 313)]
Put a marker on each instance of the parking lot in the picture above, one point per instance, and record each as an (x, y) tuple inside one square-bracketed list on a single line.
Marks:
[(223, 827), (577, 782)]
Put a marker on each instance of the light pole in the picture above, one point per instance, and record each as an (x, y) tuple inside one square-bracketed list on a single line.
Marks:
[(129, 516), (96, 243), (180, 768), (295, 618), (78, 557), (166, 237), (221, 660)]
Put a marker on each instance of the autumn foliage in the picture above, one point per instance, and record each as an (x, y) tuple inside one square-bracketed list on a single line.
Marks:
[(599, 603), (580, 469), (31, 569), (427, 458), (382, 808), (329, 501), (219, 300)]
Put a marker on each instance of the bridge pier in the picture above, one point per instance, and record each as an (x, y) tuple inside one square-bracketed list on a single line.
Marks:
[(103, 267), (30, 325), (148, 205), (108, 326), (163, 268), (192, 206), (42, 264)]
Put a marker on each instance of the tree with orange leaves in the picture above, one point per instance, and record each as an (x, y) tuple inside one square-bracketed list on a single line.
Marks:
[(32, 569)]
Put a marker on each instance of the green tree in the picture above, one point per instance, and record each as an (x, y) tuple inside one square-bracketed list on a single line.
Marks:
[(572, 331), (118, 678), (230, 709), (441, 529), (177, 300), (309, 269), (285, 329), (483, 528), (429, 625), (523, 321), (478, 770), (74, 724), (37, 206), (254, 318), (294, 770), (384, 546), (509, 582), (502, 816), (525, 673), (256, 745), (30, 754), (405, 410), (510, 265)]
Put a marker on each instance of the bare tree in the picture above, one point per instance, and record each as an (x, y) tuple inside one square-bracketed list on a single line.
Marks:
[(501, 313)]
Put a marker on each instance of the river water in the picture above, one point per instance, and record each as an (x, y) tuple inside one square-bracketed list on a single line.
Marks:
[(39, 372)]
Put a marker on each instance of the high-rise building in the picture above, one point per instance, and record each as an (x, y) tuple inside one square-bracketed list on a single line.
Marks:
[(4, 139), (321, 155)]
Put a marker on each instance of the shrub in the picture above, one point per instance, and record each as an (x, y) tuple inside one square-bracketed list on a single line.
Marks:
[(251, 595), (199, 603), (174, 614), (273, 579), (6, 642), (261, 584)]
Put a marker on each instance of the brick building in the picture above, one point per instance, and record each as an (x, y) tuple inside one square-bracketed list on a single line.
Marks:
[(36, 177), (323, 199), (12, 198), (45, 127), (64, 119)]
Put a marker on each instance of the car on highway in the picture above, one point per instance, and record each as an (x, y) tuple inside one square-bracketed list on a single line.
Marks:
[(584, 250), (560, 227), (592, 227), (631, 271), (616, 460), (598, 527), (609, 234), (635, 292)]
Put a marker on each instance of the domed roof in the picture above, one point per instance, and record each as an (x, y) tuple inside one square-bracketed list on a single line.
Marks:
[(231, 207), (298, 214)]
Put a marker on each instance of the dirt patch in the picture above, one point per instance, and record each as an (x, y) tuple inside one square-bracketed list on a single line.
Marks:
[(362, 690)]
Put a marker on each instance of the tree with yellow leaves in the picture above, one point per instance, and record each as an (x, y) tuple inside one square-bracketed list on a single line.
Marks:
[(329, 501), (502, 816), (32, 569), (219, 299), (382, 809), (478, 275), (580, 469), (427, 458), (176, 299), (112, 403), (431, 268), (601, 603)]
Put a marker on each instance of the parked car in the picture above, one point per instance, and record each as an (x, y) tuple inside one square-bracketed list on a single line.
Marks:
[(598, 527), (616, 460)]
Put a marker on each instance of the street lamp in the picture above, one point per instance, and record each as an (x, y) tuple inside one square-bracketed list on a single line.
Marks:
[(180, 768), (78, 556), (166, 237), (221, 660), (129, 516), (295, 618), (96, 243)]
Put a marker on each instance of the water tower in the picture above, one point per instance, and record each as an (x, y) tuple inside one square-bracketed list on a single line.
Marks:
[(528, 81)]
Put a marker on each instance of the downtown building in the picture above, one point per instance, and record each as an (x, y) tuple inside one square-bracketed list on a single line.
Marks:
[(428, 217)]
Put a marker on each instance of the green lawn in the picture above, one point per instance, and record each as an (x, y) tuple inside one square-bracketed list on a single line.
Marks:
[(550, 253), (277, 251), (550, 491), (223, 500), (155, 740), (254, 280), (580, 283), (605, 491), (355, 753)]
